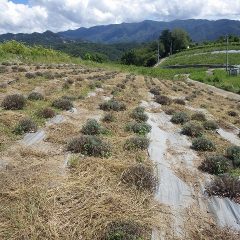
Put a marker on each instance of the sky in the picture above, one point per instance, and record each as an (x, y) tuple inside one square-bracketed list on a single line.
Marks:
[(28, 16)]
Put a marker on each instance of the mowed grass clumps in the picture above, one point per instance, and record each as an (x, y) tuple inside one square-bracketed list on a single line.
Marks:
[(180, 118), (13, 102), (140, 128), (139, 114), (225, 186), (216, 164), (63, 104), (112, 105), (141, 177), (136, 143), (203, 144), (25, 126), (90, 146), (125, 230)]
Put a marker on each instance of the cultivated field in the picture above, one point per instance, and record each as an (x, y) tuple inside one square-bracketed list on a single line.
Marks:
[(89, 153)]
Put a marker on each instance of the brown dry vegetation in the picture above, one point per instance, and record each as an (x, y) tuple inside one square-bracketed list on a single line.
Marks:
[(42, 197)]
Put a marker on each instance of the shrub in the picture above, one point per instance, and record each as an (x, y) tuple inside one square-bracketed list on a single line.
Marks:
[(233, 153), (163, 100), (22, 69), (124, 230), (139, 115), (179, 101), (92, 127), (34, 96), (139, 128), (137, 143), (25, 126), (141, 177), (192, 130), (108, 117), (179, 118), (225, 186), (155, 91), (112, 105), (63, 104), (14, 102), (232, 114), (90, 146), (169, 111), (202, 144), (46, 113), (199, 117), (210, 125), (30, 75), (215, 164)]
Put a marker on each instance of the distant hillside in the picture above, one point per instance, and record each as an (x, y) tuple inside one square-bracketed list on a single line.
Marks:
[(47, 38), (199, 30)]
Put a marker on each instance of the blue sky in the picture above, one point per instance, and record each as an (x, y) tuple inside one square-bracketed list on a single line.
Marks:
[(20, 1), (59, 15)]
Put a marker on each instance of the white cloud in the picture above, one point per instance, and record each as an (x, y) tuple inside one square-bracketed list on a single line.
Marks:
[(58, 15)]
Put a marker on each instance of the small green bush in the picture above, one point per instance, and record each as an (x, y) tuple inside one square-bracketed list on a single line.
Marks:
[(124, 230), (232, 114), (203, 144), (90, 146), (215, 164), (141, 177), (163, 100), (46, 113), (13, 102), (139, 115), (233, 153), (109, 117), (199, 117), (141, 128), (210, 125), (155, 90), (63, 104), (179, 101), (25, 126), (192, 130), (179, 118), (225, 186), (92, 127), (30, 75), (135, 143), (112, 105), (34, 96)]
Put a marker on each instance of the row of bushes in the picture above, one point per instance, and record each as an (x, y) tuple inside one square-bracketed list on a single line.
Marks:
[(18, 101)]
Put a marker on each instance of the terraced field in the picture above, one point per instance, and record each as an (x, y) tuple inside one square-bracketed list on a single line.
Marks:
[(88, 153)]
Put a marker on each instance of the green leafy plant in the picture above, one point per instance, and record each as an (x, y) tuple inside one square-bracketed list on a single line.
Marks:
[(139, 114), (233, 153), (140, 128), (63, 104), (215, 164), (25, 126), (135, 143), (210, 125), (13, 102), (179, 118), (112, 105), (203, 144), (90, 146), (34, 96), (192, 130)]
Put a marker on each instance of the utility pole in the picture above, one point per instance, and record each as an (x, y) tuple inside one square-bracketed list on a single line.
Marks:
[(227, 60)]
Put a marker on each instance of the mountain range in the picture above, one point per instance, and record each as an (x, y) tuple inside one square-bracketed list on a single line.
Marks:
[(198, 29)]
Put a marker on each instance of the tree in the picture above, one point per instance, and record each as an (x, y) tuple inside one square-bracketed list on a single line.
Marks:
[(129, 58), (166, 39), (174, 41), (180, 39)]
